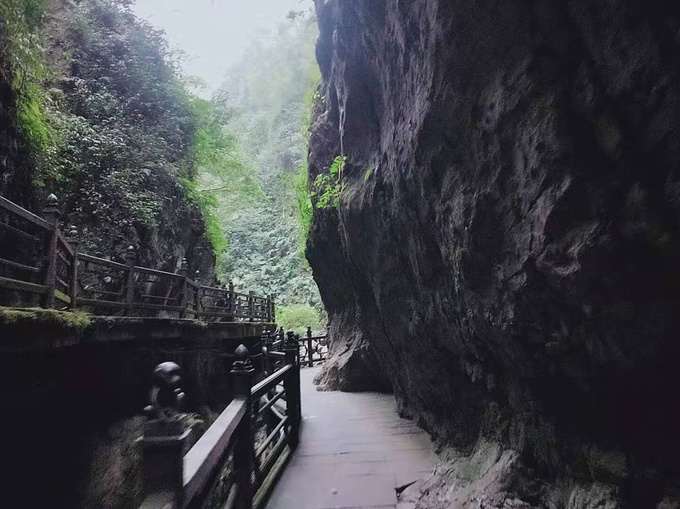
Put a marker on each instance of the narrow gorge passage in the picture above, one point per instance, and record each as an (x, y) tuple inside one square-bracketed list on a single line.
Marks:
[(472, 205)]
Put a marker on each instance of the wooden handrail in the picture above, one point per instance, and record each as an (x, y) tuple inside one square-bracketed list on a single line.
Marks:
[(101, 261), (18, 265), (205, 455), (64, 243), (183, 295), (155, 272), (174, 480), (19, 232), (24, 214), (270, 382)]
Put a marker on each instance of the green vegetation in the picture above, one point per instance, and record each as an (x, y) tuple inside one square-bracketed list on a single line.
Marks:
[(304, 207), (298, 317), (115, 130), (327, 186), (23, 49), (220, 168), (138, 156), (50, 318), (270, 95)]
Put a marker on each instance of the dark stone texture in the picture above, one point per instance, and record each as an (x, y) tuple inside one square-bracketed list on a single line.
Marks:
[(511, 263), (73, 402)]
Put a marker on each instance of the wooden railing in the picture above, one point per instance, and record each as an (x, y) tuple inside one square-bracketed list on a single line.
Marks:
[(236, 462), (41, 266), (314, 348), (35, 258)]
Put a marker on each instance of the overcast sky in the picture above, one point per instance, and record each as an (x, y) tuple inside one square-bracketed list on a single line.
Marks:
[(214, 33)]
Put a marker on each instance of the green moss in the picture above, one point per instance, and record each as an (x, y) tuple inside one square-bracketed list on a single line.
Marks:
[(75, 321), (23, 48)]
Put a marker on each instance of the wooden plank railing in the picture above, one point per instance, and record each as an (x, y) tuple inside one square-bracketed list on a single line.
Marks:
[(41, 266), (314, 348), (226, 467)]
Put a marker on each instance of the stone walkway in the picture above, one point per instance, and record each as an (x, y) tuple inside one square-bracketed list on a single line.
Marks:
[(354, 452)]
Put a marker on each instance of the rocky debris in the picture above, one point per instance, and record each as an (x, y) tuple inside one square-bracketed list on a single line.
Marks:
[(509, 265)]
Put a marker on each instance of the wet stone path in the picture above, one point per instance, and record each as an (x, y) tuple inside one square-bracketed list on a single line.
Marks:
[(354, 452)]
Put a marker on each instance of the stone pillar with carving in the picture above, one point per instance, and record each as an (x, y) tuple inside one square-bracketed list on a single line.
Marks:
[(164, 441)]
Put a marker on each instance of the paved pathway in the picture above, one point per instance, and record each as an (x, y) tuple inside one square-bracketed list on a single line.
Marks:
[(354, 451)]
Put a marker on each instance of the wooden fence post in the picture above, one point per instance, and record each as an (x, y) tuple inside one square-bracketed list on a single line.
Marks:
[(251, 306), (232, 301), (272, 308), (164, 439), (183, 300), (51, 215), (242, 374), (292, 386), (310, 360), (73, 283), (266, 365), (199, 294), (130, 261)]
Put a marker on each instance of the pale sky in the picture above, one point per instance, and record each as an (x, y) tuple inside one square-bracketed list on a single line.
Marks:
[(214, 33)]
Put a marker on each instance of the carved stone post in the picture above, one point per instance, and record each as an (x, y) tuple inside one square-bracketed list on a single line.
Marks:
[(199, 294), (51, 215), (310, 357), (163, 443), (292, 386), (242, 374), (73, 283), (130, 261), (183, 299)]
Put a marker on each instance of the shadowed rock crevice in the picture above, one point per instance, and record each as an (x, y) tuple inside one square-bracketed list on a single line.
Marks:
[(509, 266)]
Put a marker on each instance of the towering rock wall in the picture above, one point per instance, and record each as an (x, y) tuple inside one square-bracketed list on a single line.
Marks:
[(510, 261)]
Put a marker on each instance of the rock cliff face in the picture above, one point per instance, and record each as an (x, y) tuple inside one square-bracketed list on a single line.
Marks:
[(509, 265)]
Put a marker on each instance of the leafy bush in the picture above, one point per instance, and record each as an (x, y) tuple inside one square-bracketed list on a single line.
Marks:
[(327, 186), (298, 317)]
